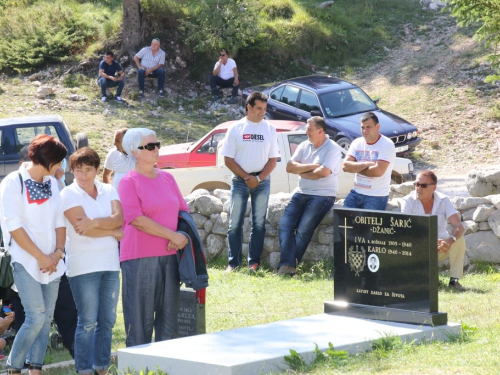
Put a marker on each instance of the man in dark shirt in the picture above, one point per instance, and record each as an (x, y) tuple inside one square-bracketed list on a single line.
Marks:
[(108, 69)]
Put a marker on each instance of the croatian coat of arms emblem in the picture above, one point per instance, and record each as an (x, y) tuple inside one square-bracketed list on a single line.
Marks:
[(357, 259)]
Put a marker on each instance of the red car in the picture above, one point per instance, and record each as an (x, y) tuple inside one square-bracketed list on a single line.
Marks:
[(202, 153)]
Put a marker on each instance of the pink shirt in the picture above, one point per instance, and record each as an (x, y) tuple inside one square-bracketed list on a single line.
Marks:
[(158, 199)]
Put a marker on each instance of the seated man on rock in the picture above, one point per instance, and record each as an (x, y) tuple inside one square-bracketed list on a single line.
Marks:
[(108, 70), (225, 74), (150, 61), (425, 200), (317, 162)]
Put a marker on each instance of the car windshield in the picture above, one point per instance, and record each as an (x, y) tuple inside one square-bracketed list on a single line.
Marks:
[(346, 102)]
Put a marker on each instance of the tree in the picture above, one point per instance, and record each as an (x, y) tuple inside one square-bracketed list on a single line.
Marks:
[(485, 14), (131, 27)]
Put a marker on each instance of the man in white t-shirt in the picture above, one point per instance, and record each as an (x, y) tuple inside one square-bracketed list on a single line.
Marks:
[(425, 200), (117, 161), (371, 157), (150, 62), (250, 151), (225, 74), (317, 162)]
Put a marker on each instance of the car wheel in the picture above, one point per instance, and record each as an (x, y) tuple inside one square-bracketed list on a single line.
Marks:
[(267, 116), (81, 140), (344, 143)]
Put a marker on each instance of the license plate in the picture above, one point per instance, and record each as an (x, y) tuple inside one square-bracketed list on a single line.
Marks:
[(401, 148)]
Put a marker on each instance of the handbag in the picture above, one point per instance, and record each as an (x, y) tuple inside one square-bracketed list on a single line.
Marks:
[(6, 275)]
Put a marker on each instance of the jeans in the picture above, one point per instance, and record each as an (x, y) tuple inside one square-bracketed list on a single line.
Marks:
[(356, 200), (158, 73), (239, 197), (39, 301), (150, 297), (218, 81), (301, 217), (105, 83), (96, 296)]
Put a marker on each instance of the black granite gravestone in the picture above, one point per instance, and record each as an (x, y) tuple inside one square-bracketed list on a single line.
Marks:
[(385, 267), (191, 317)]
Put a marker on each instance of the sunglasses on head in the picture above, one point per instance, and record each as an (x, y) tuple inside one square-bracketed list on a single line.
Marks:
[(150, 146), (423, 186)]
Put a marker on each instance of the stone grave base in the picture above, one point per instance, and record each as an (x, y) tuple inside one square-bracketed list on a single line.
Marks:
[(260, 349)]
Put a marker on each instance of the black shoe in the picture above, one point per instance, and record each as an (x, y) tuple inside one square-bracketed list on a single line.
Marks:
[(161, 93), (141, 93)]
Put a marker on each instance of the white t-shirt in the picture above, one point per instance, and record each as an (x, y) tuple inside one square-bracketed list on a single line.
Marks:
[(442, 208), (382, 149), (329, 156), (38, 220), (226, 71), (251, 144), (87, 254), (119, 163)]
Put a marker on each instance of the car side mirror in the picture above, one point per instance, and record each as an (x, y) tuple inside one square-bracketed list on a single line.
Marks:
[(376, 100), (316, 112), (211, 150)]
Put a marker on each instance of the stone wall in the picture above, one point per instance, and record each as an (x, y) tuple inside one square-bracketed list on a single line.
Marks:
[(480, 216)]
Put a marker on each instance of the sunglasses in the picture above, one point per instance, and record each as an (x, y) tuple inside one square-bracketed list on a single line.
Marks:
[(221, 55), (423, 186), (150, 146)]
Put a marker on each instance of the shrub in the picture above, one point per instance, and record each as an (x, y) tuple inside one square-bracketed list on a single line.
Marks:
[(40, 34), (74, 80)]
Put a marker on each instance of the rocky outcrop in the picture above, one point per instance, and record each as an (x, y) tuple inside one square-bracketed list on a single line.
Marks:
[(482, 182)]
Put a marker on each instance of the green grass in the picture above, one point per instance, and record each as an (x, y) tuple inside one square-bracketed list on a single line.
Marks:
[(240, 299)]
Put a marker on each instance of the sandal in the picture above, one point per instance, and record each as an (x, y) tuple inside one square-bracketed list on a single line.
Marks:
[(13, 371), (35, 367)]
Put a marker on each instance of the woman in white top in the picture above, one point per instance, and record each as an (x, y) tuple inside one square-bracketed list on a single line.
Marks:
[(93, 218), (34, 231)]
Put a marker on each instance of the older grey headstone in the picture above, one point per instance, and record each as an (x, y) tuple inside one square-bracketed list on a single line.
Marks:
[(191, 317)]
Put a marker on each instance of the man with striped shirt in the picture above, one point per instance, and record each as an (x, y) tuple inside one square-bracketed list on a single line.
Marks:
[(150, 61)]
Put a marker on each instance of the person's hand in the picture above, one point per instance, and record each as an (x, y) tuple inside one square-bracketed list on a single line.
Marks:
[(84, 225), (252, 182), (443, 246), (148, 72), (6, 322), (59, 173), (48, 263), (236, 81), (118, 234), (177, 242), (369, 164)]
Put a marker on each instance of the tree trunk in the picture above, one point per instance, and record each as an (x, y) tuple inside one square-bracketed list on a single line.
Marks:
[(131, 28)]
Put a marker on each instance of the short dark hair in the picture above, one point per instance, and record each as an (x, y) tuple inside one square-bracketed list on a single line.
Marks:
[(23, 154), (84, 156), (369, 115), (431, 174), (224, 50), (256, 95), (46, 151), (109, 53), (319, 122)]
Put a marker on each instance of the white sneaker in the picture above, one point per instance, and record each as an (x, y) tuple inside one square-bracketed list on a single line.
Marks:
[(119, 99), (103, 99)]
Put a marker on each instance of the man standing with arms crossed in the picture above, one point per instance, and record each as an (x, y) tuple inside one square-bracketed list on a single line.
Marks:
[(371, 158), (317, 162), (250, 151)]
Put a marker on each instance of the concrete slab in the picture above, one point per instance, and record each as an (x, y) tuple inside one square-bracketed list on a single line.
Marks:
[(260, 349)]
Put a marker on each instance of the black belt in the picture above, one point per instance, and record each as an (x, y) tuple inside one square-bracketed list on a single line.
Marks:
[(255, 173)]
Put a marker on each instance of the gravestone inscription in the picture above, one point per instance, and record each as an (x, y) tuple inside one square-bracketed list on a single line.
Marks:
[(385, 266), (191, 316)]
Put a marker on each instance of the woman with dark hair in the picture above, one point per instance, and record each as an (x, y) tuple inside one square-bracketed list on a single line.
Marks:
[(93, 220), (34, 232), (151, 203)]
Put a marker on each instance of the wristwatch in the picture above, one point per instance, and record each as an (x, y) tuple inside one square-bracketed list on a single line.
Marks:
[(60, 250), (454, 238), (258, 179)]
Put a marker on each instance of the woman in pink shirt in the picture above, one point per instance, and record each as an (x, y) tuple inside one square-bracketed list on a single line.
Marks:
[(151, 202)]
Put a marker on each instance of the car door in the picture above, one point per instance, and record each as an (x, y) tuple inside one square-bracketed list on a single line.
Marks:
[(205, 155), (282, 102), (308, 101)]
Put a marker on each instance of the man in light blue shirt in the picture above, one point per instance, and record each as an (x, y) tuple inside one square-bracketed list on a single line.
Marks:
[(317, 162)]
